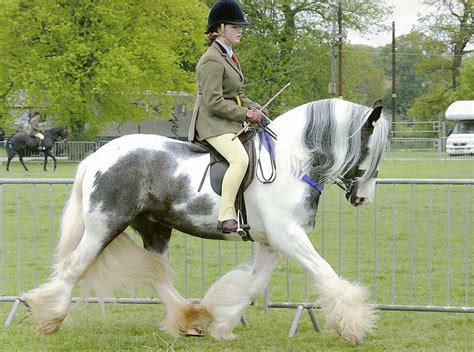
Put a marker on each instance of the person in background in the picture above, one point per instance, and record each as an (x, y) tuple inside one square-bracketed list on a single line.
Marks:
[(36, 129), (221, 108)]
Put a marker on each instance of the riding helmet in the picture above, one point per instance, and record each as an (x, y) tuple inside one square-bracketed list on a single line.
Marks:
[(227, 12)]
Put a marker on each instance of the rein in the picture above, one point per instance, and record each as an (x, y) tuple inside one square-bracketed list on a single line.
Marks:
[(268, 143)]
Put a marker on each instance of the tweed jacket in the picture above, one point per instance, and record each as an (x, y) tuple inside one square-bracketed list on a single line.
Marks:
[(36, 125), (219, 81)]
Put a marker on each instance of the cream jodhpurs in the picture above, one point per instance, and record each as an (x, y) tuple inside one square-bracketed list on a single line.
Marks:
[(234, 152)]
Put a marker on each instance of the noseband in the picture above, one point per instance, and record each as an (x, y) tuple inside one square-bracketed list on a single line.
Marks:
[(347, 181)]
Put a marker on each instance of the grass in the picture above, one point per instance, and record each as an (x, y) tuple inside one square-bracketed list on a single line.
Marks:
[(400, 230)]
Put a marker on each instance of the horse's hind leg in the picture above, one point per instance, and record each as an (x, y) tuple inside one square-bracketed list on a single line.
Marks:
[(182, 318), (8, 162), (22, 163), (49, 303), (229, 296)]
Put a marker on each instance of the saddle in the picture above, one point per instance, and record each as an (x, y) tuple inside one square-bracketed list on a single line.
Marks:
[(217, 168)]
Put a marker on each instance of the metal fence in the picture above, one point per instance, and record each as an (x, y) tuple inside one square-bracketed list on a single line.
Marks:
[(398, 148), (413, 246)]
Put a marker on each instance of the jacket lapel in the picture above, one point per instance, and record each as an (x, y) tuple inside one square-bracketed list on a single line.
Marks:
[(223, 52)]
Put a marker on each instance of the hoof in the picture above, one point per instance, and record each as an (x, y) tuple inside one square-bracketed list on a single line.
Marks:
[(351, 338), (49, 327), (195, 331)]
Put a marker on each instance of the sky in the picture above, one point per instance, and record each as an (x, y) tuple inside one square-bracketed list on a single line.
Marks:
[(405, 13)]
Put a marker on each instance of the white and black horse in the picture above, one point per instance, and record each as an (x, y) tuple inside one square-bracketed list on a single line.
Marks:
[(151, 183), (21, 143)]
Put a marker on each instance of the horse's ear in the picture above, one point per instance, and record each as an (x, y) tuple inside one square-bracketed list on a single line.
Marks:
[(376, 113), (377, 103)]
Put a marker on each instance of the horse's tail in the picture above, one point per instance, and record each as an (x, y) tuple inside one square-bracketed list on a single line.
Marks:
[(72, 224), (8, 147)]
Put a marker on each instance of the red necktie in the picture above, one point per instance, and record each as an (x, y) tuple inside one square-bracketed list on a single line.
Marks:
[(234, 58)]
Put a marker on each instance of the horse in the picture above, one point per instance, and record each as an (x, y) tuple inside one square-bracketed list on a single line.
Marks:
[(151, 183), (21, 142)]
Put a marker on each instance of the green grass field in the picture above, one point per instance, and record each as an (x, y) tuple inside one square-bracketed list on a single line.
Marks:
[(422, 257)]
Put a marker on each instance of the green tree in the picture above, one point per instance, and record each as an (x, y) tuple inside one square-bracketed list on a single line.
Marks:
[(453, 23), (421, 65), (465, 89), (88, 63), (290, 40), (364, 81)]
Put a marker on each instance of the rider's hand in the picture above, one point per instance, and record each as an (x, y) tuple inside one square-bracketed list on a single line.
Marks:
[(254, 116), (264, 111)]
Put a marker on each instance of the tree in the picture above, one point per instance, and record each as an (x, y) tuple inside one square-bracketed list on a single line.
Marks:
[(465, 89), (364, 81), (290, 40), (454, 24), (88, 63), (421, 65)]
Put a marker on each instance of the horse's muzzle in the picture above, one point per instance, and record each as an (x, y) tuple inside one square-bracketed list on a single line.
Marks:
[(360, 194)]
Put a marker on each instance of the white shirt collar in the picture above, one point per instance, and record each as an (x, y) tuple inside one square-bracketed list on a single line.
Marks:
[(227, 48)]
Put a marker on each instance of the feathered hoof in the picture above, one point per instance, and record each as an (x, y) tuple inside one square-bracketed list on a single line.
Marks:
[(48, 327), (188, 320), (347, 310), (351, 338), (223, 336), (48, 311)]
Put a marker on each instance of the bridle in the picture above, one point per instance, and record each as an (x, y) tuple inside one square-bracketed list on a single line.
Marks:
[(346, 182)]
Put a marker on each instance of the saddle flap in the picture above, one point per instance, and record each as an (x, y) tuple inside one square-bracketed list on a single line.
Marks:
[(219, 166)]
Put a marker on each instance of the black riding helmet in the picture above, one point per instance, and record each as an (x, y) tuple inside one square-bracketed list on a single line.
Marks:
[(227, 12)]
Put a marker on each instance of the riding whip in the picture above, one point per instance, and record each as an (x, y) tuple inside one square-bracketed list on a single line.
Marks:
[(246, 124)]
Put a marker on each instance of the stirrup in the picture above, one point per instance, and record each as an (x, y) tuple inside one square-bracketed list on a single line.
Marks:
[(242, 229)]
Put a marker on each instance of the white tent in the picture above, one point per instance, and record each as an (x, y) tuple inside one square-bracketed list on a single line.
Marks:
[(461, 110)]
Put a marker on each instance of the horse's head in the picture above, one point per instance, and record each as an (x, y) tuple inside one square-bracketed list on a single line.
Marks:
[(63, 132), (359, 182), (57, 132)]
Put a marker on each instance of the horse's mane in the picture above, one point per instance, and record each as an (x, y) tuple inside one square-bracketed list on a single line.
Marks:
[(53, 130), (331, 140)]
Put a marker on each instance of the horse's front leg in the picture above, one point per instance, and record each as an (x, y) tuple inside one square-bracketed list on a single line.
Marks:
[(46, 153), (229, 296), (345, 305), (22, 163), (54, 159)]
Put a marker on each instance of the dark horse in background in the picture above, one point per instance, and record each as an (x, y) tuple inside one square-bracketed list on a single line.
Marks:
[(22, 142)]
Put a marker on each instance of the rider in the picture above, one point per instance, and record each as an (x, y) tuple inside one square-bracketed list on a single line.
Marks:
[(221, 108), (37, 129)]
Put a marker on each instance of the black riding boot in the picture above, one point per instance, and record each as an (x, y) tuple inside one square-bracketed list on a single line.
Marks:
[(40, 146)]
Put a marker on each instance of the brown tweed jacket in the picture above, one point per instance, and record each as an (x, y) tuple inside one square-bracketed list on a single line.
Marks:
[(219, 82)]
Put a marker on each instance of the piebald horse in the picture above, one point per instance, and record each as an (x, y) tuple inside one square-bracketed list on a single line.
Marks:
[(151, 183)]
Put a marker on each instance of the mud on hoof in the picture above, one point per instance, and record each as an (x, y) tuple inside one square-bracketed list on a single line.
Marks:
[(189, 320)]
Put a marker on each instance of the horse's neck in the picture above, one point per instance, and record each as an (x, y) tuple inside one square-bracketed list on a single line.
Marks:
[(289, 127), (52, 133), (289, 149)]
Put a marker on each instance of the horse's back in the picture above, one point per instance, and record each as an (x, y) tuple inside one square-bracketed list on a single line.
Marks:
[(137, 157)]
